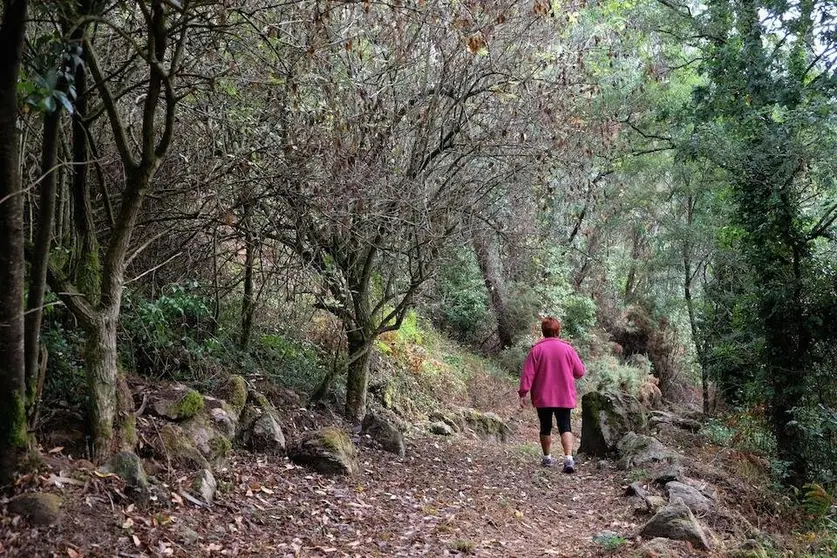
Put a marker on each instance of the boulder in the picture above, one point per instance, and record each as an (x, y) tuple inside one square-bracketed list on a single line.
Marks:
[(179, 448), (205, 485), (214, 445), (691, 496), (127, 464), (327, 450), (223, 416), (676, 521), (385, 433), (487, 426), (440, 428), (638, 451), (234, 392), (258, 428), (39, 508), (605, 419), (179, 403), (668, 473)]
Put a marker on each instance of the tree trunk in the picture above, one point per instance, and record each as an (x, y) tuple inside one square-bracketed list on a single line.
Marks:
[(111, 422), (358, 376), (492, 274), (688, 277), (14, 438), (40, 255)]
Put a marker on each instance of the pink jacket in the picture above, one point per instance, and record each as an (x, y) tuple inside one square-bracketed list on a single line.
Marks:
[(549, 372)]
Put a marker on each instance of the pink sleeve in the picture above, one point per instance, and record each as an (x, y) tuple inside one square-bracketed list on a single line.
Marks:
[(527, 375), (578, 366)]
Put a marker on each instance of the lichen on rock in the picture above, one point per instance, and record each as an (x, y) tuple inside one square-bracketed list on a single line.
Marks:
[(327, 450)]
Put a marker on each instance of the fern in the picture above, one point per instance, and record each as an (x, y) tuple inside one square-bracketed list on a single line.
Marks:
[(817, 502)]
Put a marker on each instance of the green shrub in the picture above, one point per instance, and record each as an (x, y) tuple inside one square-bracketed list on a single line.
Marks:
[(171, 335), (578, 315), (462, 298), (291, 363)]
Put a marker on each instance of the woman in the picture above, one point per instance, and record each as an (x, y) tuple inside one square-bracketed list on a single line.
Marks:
[(549, 372)]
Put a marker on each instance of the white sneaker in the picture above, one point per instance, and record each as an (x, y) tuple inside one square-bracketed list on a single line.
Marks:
[(569, 465), (548, 461)]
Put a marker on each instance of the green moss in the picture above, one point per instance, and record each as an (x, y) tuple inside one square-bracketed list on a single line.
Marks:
[(234, 392), (190, 404), (89, 276), (219, 447), (336, 440), (13, 418), (178, 447)]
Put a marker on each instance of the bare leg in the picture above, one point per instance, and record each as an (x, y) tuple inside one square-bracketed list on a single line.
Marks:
[(566, 441), (546, 443)]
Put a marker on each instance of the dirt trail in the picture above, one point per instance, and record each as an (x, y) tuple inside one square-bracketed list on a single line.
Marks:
[(448, 497)]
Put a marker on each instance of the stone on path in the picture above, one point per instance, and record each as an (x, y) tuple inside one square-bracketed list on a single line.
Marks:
[(127, 464), (258, 428), (205, 485), (385, 433), (676, 521), (328, 450)]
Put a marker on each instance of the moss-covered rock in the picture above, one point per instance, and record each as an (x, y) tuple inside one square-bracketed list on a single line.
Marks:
[(487, 426), (234, 392), (605, 419), (178, 446), (328, 450), (453, 420), (180, 403), (38, 508), (127, 465), (676, 522)]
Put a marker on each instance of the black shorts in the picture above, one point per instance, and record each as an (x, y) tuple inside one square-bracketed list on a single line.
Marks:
[(562, 417)]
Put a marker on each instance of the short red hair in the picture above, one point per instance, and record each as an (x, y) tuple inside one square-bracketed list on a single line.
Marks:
[(550, 327)]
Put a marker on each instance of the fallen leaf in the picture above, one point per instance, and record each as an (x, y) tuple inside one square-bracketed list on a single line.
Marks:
[(71, 552), (57, 449)]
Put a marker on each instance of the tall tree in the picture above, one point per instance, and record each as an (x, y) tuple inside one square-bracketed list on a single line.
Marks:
[(14, 437)]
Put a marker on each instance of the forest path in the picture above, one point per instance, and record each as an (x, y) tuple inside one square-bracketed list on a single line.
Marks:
[(449, 496)]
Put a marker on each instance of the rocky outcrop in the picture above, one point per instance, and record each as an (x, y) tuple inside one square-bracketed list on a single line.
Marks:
[(384, 433), (639, 451), (676, 521), (605, 419), (328, 450), (234, 392), (39, 508), (258, 427)]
